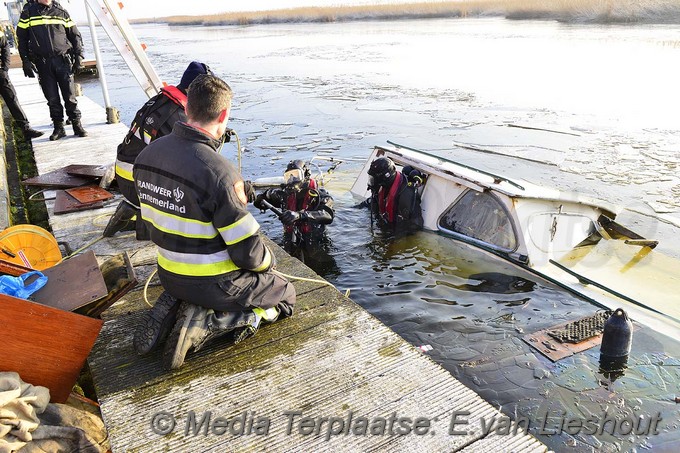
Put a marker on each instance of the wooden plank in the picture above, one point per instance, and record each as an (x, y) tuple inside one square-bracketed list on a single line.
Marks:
[(57, 179), (9, 268), (120, 278), (73, 283), (113, 353), (343, 360), (45, 345), (90, 171), (497, 442)]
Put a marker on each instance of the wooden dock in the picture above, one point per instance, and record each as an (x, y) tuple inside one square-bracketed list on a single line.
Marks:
[(331, 378)]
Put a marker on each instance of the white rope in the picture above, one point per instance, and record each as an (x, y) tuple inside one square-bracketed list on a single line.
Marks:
[(290, 277), (40, 199), (304, 279), (146, 287)]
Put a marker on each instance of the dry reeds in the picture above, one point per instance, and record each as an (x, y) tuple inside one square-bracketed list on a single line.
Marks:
[(598, 11)]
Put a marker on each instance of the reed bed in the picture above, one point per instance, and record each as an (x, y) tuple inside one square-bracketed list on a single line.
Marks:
[(594, 11)]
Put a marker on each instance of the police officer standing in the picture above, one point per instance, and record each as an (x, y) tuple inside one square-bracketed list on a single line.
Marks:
[(50, 43), (9, 95)]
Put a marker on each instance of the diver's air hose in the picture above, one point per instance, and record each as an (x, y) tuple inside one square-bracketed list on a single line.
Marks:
[(281, 274), (303, 279), (238, 149)]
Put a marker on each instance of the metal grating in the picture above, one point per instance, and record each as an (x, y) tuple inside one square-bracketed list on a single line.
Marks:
[(569, 338), (581, 329)]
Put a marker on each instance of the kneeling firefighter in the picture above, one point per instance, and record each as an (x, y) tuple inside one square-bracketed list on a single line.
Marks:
[(307, 208), (214, 265)]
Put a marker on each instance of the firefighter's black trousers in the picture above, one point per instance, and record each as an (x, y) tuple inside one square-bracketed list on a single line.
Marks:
[(239, 290)]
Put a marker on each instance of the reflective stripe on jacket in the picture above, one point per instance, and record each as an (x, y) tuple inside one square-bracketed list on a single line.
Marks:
[(154, 120), (47, 31), (188, 196)]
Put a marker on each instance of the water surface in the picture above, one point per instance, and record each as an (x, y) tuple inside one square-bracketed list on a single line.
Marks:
[(578, 107)]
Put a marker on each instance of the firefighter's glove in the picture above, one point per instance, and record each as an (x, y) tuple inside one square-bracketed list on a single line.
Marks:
[(29, 69), (290, 217), (258, 202)]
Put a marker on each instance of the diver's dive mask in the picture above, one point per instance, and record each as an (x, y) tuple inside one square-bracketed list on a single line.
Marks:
[(293, 176)]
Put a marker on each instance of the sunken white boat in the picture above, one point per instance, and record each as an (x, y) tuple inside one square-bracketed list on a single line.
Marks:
[(566, 238)]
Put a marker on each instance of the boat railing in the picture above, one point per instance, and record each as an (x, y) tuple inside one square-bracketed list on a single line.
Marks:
[(496, 178)]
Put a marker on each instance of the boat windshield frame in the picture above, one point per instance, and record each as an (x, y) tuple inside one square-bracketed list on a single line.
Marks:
[(491, 245)]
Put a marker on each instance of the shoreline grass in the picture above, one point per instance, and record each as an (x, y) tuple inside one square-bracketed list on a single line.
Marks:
[(576, 11)]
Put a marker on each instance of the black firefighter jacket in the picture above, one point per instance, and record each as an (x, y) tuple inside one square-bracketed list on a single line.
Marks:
[(194, 202), (154, 120)]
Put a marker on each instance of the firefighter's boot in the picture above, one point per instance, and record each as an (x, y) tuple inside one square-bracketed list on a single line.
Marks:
[(196, 326), (78, 128), (58, 132), (156, 324)]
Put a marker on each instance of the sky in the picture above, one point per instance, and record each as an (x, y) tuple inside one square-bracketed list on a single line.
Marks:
[(135, 9)]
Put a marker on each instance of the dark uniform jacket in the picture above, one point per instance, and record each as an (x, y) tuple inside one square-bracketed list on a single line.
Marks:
[(4, 52), (154, 120), (194, 203), (47, 31)]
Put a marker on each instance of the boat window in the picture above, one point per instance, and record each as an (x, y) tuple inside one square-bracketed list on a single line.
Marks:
[(481, 216)]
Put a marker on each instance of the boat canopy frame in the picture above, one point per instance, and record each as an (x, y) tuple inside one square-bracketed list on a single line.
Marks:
[(507, 214)]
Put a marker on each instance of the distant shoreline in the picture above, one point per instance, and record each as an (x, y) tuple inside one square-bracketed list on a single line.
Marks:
[(570, 11)]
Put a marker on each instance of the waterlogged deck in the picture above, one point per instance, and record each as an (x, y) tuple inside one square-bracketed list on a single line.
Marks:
[(331, 378)]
